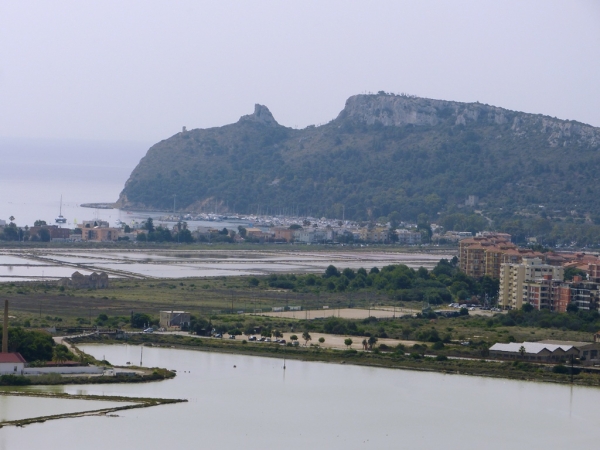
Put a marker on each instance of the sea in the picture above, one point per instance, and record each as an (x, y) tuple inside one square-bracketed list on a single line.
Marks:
[(35, 174)]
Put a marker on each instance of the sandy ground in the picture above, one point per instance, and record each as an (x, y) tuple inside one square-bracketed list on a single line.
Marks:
[(356, 313), (337, 342), (346, 313)]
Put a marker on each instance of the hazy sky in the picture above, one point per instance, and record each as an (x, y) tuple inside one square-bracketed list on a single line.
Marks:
[(139, 70)]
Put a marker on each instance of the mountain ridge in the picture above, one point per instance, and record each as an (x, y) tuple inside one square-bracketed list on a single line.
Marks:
[(383, 153)]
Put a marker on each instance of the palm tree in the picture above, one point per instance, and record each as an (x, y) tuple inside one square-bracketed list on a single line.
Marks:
[(60, 354), (522, 351)]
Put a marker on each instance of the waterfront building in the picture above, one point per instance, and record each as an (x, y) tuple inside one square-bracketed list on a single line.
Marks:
[(12, 364), (534, 351)]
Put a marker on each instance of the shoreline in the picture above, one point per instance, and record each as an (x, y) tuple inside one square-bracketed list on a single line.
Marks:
[(471, 367), (138, 402)]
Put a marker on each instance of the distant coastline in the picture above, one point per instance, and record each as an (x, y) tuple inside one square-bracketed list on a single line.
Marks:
[(98, 205)]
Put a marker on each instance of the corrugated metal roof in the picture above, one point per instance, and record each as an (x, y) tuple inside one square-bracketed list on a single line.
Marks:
[(530, 347)]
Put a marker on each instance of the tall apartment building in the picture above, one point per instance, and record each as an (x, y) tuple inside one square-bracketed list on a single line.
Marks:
[(530, 281), (485, 254)]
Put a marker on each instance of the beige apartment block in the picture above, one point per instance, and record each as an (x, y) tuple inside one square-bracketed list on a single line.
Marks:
[(518, 282)]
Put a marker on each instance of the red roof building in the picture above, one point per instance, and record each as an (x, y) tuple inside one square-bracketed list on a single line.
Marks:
[(11, 358), (11, 364)]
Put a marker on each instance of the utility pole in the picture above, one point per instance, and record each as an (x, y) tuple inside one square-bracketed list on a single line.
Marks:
[(571, 368)]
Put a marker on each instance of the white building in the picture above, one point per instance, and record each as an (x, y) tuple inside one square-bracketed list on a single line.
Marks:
[(11, 364), (310, 236)]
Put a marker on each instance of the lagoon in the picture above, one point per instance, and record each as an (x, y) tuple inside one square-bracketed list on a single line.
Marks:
[(319, 405), (47, 264)]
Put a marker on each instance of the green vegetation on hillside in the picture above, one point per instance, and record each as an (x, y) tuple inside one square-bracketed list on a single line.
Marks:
[(527, 183)]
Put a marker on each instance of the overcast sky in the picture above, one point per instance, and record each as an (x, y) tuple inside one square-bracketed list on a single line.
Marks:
[(139, 70)]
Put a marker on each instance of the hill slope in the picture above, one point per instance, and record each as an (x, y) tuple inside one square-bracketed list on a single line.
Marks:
[(383, 153)]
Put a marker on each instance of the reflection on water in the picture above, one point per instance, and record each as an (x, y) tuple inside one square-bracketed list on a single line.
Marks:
[(249, 402)]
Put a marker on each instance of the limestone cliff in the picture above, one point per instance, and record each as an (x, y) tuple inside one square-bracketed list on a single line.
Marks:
[(400, 110), (383, 153)]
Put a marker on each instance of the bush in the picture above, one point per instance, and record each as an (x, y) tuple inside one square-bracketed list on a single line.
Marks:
[(441, 358), (438, 345), (14, 380)]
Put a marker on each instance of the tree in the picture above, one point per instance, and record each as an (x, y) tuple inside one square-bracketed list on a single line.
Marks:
[(242, 231), (32, 345), (60, 353), (44, 235), (39, 223), (149, 225), (265, 332), (277, 334), (307, 337), (372, 341), (348, 342), (331, 271), (527, 307), (365, 345), (185, 236), (572, 308), (139, 320), (293, 338), (321, 340), (522, 351)]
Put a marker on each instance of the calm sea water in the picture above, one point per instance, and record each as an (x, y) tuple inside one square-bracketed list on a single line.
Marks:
[(258, 405), (35, 173)]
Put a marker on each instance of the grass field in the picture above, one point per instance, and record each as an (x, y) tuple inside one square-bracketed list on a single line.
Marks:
[(38, 305)]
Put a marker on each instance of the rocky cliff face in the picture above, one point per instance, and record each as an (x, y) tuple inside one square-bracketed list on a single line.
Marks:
[(261, 115), (400, 110), (383, 154)]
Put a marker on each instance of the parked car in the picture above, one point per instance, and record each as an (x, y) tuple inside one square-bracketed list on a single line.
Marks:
[(267, 339), (149, 330), (218, 335), (252, 338), (281, 341), (232, 336)]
